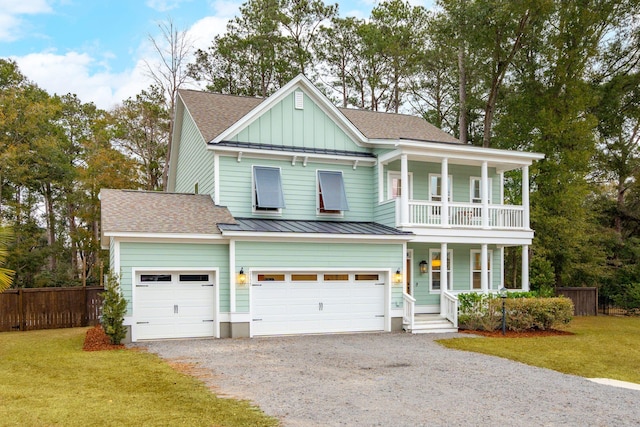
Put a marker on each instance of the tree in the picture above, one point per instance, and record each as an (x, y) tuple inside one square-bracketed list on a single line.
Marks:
[(114, 307), (173, 50), (6, 275)]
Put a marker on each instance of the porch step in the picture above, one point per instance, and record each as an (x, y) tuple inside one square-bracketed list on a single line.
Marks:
[(430, 324)]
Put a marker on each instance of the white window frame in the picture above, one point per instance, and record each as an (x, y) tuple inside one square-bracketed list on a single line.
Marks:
[(391, 175), (449, 270), (473, 270), (338, 214), (254, 200), (431, 195), (472, 197)]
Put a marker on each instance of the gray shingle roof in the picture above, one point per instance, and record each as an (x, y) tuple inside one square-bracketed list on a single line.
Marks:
[(156, 212), (214, 113), (315, 227)]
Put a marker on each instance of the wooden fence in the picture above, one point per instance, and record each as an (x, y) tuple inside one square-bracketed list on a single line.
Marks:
[(585, 300), (49, 308)]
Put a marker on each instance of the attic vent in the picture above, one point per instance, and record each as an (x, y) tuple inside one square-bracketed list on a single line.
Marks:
[(299, 100)]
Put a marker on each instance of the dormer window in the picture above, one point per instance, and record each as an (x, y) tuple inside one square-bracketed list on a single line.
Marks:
[(332, 198), (267, 189)]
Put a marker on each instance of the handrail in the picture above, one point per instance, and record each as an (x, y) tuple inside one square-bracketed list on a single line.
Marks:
[(409, 308), (464, 215), (450, 307)]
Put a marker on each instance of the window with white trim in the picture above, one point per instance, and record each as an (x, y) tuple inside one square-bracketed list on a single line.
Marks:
[(332, 197), (394, 185), (435, 187), (476, 269), (435, 266), (475, 195), (267, 190)]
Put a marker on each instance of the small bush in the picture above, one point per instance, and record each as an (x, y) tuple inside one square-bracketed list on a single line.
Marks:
[(484, 312), (114, 307)]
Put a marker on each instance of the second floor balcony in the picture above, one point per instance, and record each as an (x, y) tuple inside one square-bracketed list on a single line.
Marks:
[(461, 215)]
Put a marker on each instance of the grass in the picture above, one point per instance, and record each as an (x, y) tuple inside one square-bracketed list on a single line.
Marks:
[(46, 379), (602, 347)]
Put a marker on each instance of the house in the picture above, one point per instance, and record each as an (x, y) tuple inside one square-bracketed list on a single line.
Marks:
[(288, 215)]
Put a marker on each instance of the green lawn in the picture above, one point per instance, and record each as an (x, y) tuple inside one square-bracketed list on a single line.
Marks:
[(602, 347), (46, 379)]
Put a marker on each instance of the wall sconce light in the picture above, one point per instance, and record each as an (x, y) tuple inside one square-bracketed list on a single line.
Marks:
[(397, 277), (423, 267), (241, 278)]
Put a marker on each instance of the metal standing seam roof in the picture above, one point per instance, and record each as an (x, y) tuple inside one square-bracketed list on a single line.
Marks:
[(214, 113), (311, 227)]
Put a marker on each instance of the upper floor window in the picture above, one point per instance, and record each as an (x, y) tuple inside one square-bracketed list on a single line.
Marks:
[(332, 197), (267, 189), (394, 185), (435, 187), (476, 190), (476, 269)]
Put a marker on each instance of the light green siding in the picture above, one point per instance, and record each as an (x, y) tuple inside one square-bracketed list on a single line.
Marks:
[(270, 255), (461, 272), (461, 175), (195, 162), (286, 126), (299, 186), (174, 255)]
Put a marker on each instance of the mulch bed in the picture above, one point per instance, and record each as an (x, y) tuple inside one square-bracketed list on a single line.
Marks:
[(97, 340), (514, 334)]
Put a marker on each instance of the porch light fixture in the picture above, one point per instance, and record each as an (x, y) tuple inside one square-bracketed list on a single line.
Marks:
[(241, 278), (423, 267), (397, 277)]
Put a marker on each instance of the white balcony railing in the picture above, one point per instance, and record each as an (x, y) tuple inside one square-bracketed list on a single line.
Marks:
[(464, 215)]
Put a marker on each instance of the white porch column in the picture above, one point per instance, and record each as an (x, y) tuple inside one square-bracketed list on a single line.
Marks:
[(232, 276), (484, 271), (525, 268), (444, 182), (444, 277), (404, 190), (525, 198), (484, 183), (501, 175)]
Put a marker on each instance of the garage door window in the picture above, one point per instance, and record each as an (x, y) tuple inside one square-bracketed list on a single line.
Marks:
[(335, 277), (270, 277), (304, 277), (155, 277), (194, 277), (367, 277)]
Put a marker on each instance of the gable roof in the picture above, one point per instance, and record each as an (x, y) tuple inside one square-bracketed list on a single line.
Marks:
[(132, 211), (217, 115)]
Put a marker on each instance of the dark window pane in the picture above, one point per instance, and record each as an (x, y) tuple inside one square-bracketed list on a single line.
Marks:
[(194, 277), (155, 277)]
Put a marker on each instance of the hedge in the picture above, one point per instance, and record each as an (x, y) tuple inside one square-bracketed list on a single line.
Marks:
[(484, 312)]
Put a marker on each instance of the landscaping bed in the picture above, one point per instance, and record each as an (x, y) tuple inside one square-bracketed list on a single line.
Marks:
[(97, 340)]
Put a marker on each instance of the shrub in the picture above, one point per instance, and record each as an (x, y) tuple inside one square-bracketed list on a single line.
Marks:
[(484, 312), (629, 298), (114, 307)]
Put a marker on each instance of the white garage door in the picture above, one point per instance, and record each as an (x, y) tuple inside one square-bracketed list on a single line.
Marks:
[(174, 305), (304, 303)]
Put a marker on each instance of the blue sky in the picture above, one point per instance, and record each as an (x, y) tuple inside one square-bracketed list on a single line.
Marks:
[(97, 48)]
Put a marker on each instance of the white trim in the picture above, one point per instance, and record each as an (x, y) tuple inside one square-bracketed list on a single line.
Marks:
[(302, 83), (116, 259), (394, 174), (409, 256), (449, 270), (470, 236), (129, 235), (258, 153), (472, 253), (313, 237), (216, 296), (232, 276)]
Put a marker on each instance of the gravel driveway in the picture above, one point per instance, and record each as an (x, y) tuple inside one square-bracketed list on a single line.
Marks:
[(397, 379)]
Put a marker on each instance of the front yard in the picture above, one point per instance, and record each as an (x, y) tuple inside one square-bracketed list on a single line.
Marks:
[(602, 347), (46, 379)]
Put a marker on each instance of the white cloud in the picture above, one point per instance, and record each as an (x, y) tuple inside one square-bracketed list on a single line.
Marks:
[(204, 30), (74, 72), (11, 26), (164, 5)]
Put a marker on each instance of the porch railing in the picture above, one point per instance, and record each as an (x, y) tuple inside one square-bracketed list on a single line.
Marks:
[(449, 307), (409, 308), (464, 215)]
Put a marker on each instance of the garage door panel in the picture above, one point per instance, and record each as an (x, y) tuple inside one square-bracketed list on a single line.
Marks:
[(317, 307)]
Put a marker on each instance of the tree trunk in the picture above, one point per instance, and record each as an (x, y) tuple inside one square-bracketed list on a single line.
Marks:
[(462, 87), (51, 229)]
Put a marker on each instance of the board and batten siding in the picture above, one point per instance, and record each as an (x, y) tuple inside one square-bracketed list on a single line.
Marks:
[(299, 184), (269, 256), (174, 255), (461, 271), (309, 127), (195, 162)]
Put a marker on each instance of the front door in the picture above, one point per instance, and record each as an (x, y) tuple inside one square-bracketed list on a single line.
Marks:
[(408, 274)]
